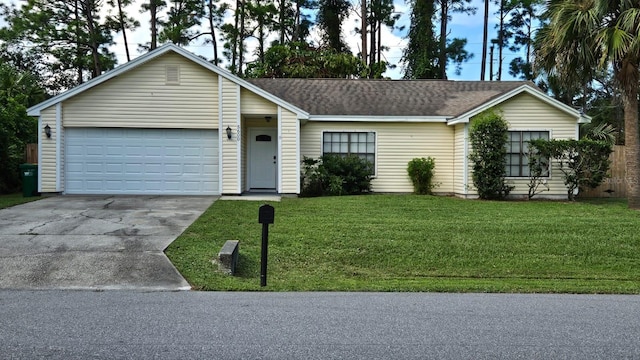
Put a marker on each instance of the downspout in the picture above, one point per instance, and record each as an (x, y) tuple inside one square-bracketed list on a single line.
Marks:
[(58, 146), (40, 153), (465, 172), (220, 138), (298, 185), (239, 140), (279, 164)]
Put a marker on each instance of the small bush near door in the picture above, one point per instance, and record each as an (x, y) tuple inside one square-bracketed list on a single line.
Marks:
[(333, 174), (421, 172)]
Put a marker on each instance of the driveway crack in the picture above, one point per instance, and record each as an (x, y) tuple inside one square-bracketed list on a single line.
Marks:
[(32, 230)]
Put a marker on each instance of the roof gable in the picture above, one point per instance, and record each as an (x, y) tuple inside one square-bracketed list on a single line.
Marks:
[(141, 60), (525, 88)]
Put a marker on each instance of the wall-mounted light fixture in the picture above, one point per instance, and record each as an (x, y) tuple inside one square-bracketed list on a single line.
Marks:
[(268, 118), (47, 131), (228, 132)]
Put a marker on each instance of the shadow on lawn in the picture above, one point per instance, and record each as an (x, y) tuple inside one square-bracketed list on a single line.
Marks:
[(248, 267)]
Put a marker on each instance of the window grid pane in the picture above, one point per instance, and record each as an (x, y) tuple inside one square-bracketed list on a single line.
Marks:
[(361, 144), (517, 152)]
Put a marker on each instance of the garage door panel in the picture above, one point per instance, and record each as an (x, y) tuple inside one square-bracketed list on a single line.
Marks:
[(141, 161)]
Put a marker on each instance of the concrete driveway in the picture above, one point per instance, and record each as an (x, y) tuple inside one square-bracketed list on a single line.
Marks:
[(95, 242)]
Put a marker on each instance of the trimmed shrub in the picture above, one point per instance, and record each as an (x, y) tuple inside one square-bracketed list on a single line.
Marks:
[(421, 172), (489, 135), (333, 174), (583, 163)]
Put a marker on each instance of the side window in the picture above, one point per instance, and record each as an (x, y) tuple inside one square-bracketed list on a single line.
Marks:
[(517, 150)]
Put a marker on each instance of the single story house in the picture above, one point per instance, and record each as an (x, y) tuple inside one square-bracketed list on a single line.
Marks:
[(170, 122)]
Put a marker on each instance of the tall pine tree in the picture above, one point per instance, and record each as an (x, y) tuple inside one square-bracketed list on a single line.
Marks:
[(331, 15), (418, 56)]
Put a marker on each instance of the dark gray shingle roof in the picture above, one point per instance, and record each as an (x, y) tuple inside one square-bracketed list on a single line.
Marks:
[(386, 97)]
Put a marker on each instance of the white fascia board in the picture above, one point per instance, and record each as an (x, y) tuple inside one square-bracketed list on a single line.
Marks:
[(35, 110), (367, 118), (464, 118)]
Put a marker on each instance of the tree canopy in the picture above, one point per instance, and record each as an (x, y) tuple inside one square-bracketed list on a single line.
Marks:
[(584, 36)]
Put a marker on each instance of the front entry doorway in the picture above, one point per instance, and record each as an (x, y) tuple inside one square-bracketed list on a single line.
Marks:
[(263, 161)]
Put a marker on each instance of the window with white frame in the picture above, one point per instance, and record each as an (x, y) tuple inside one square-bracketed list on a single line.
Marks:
[(362, 144), (518, 149)]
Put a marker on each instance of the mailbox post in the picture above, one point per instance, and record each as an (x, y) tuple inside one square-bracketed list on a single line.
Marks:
[(265, 217)]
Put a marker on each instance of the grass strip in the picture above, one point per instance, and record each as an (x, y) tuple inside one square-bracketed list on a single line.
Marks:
[(420, 243), (9, 200)]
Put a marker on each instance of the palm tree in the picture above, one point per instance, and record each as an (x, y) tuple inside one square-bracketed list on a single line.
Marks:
[(584, 35)]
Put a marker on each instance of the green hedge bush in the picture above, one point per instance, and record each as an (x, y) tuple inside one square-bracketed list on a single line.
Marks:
[(333, 174), (489, 135), (421, 172)]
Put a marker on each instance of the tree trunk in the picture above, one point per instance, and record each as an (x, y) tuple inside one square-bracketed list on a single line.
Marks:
[(483, 66), (95, 56), (379, 41), (123, 29), (500, 40), (153, 10), (281, 20), (491, 64), (76, 13), (214, 42), (296, 24), (234, 42), (372, 45), (629, 79), (261, 39), (241, 40), (444, 11), (363, 30)]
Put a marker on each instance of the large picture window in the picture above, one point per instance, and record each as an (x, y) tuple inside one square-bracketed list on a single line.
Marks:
[(362, 144), (517, 152)]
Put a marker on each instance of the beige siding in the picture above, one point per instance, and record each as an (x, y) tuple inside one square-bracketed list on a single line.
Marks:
[(47, 162), (253, 104), (397, 144), (459, 159), (524, 112), (230, 118), (290, 176), (142, 98)]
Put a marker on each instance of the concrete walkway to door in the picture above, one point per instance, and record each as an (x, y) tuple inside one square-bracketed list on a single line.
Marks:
[(95, 242)]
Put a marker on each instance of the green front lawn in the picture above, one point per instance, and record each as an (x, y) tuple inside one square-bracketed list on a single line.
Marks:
[(15, 199), (420, 243)]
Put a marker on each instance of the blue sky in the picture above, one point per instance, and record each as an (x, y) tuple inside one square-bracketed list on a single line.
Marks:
[(463, 26)]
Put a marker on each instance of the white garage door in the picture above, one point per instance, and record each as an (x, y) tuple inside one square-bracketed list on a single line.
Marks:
[(141, 161)]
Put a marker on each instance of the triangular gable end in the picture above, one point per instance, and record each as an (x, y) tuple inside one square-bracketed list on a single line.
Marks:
[(36, 109), (464, 118)]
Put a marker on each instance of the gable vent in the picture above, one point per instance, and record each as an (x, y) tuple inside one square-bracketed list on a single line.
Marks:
[(172, 75)]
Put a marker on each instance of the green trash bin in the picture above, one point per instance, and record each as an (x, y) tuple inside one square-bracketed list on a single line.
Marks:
[(29, 173)]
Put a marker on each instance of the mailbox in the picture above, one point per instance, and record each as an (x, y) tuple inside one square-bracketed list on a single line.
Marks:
[(266, 214)]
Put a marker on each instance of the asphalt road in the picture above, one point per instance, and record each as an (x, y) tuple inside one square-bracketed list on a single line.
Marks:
[(209, 325)]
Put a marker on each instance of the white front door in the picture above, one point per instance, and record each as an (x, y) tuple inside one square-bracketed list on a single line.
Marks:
[(263, 161)]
